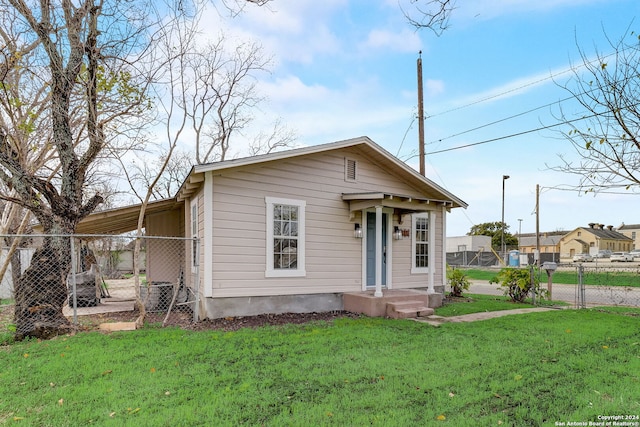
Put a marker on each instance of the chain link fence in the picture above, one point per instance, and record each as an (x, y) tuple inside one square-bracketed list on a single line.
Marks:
[(608, 285), (46, 278), (585, 284), (597, 284), (472, 258)]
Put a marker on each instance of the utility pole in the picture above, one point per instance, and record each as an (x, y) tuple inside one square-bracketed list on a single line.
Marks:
[(502, 247), (538, 224), (420, 117)]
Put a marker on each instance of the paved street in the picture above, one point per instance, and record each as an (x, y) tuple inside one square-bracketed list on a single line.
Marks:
[(594, 295)]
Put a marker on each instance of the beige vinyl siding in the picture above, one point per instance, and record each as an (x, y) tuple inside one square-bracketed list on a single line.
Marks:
[(333, 255), (402, 276), (201, 226)]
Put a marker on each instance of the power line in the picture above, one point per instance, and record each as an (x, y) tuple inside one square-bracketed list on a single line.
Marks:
[(405, 135), (498, 95), (511, 135), (575, 96), (499, 121), (533, 83)]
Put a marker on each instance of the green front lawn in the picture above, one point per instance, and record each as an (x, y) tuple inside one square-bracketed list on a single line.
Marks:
[(604, 276), (523, 370), (475, 303)]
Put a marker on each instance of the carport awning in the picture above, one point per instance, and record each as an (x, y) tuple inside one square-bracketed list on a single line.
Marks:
[(360, 201), (122, 220)]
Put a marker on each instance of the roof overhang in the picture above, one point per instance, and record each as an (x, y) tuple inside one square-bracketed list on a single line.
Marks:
[(360, 201), (366, 146)]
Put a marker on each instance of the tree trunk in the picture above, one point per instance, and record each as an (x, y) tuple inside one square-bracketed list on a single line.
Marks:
[(41, 291)]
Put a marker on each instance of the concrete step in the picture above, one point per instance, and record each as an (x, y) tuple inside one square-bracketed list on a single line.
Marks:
[(408, 309)]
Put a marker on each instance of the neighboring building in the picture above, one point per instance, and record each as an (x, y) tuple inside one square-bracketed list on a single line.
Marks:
[(470, 250), (594, 238), (468, 244), (293, 231), (633, 232), (549, 242)]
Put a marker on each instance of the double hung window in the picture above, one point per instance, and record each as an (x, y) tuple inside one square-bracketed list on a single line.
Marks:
[(421, 238), (285, 237)]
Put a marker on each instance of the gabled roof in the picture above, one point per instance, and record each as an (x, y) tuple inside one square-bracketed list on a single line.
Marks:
[(546, 239), (369, 148), (629, 227), (605, 233), (120, 220)]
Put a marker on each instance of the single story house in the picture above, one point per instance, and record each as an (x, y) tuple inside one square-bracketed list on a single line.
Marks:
[(594, 238), (294, 231)]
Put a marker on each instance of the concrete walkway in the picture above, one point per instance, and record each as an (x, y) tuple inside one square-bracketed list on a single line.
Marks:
[(474, 317)]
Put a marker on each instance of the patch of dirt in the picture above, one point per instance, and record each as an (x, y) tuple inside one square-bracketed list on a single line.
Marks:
[(184, 320), (6, 317)]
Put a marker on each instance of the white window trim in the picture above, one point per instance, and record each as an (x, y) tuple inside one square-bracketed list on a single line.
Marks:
[(432, 235), (300, 271)]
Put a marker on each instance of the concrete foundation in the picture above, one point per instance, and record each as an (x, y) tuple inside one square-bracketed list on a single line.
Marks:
[(435, 300), (356, 302), (216, 308)]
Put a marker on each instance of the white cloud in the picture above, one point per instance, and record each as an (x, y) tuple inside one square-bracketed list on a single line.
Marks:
[(434, 87), (322, 114), (293, 31), (403, 41)]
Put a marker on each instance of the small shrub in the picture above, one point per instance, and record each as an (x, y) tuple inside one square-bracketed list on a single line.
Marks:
[(517, 283), (458, 281)]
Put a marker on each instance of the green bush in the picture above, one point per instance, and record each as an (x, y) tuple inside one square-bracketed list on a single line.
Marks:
[(458, 281), (518, 283)]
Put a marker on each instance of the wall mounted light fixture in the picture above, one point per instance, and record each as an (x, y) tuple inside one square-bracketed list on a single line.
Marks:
[(357, 231), (397, 233)]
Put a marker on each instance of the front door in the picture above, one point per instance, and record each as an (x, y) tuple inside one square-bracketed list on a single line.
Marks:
[(371, 249)]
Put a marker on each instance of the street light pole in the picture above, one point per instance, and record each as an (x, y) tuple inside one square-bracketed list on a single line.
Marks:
[(519, 231), (502, 248)]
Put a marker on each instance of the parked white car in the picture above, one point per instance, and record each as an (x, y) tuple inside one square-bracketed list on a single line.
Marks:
[(582, 258), (621, 257), (635, 253), (605, 253)]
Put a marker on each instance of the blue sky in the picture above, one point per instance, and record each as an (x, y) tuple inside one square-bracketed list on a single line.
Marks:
[(343, 69)]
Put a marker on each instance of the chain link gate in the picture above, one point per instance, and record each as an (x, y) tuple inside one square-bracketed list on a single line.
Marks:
[(101, 276), (603, 284)]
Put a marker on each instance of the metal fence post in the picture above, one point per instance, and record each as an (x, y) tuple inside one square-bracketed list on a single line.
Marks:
[(196, 308), (583, 291), (73, 281), (580, 290), (532, 284)]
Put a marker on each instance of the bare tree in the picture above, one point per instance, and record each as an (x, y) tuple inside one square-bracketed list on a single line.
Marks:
[(605, 132), (74, 80), (220, 94), (207, 99), (431, 14), (71, 74), (278, 138)]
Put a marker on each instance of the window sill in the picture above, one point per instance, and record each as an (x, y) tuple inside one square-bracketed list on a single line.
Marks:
[(285, 273)]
